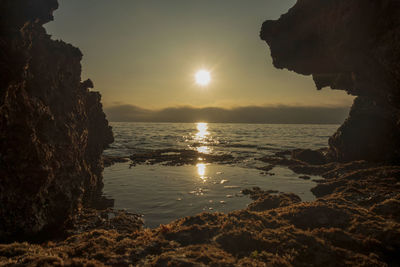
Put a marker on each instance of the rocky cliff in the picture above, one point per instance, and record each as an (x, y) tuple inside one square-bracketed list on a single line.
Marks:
[(52, 128), (351, 46)]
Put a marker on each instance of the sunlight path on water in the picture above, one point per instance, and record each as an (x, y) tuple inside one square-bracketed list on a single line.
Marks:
[(164, 193), (201, 138)]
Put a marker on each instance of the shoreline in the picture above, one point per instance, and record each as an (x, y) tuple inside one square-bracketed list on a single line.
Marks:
[(54, 132), (355, 220)]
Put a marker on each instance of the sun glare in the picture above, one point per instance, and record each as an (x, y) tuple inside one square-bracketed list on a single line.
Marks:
[(203, 77), (201, 171), (202, 128)]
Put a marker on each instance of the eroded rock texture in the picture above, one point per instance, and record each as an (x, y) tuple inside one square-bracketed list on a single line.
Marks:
[(52, 128), (352, 46)]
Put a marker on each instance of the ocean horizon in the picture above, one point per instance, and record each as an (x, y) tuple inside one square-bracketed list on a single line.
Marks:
[(227, 122)]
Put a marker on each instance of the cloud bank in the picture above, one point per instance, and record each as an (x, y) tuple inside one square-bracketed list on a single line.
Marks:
[(249, 114)]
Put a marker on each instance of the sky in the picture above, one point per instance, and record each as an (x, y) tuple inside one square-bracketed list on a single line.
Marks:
[(145, 53)]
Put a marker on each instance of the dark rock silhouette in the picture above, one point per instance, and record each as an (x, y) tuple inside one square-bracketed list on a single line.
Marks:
[(52, 128), (351, 46)]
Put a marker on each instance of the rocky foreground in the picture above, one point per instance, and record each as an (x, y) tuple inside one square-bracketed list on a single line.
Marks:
[(355, 221), (53, 132)]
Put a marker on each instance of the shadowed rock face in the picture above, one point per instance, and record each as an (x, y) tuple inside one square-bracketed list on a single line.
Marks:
[(52, 128), (352, 46)]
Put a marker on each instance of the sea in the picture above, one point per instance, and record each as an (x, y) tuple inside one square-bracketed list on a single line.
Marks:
[(165, 193)]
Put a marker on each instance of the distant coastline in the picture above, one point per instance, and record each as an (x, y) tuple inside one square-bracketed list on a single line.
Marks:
[(228, 122), (249, 114)]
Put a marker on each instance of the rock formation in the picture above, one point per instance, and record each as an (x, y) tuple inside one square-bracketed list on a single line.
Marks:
[(52, 128), (351, 46)]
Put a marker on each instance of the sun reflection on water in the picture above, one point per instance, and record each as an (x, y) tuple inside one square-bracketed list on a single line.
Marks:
[(201, 171), (203, 149), (201, 137), (202, 128)]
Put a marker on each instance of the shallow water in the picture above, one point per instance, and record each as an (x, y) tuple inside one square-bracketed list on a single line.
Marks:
[(163, 193)]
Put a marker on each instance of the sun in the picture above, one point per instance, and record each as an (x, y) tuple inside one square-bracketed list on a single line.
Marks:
[(203, 77)]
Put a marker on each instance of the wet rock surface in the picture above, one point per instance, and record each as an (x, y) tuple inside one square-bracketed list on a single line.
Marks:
[(178, 157), (309, 156), (111, 160), (52, 127), (351, 46)]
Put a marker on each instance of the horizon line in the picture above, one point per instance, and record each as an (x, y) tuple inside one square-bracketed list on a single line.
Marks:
[(108, 106), (249, 115), (216, 122)]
